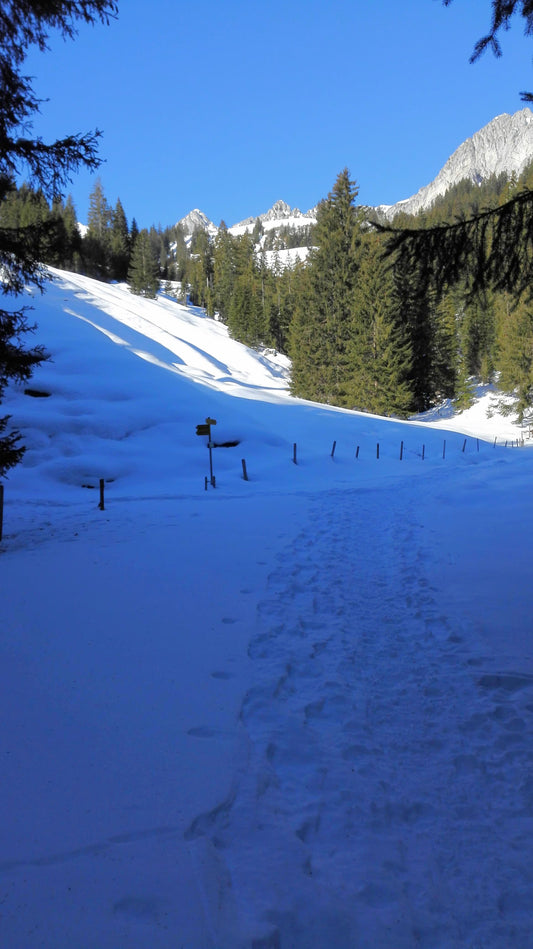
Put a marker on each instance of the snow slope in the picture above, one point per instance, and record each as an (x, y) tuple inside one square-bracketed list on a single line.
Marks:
[(294, 711)]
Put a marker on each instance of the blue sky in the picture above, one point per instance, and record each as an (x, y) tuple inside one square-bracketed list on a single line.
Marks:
[(229, 107)]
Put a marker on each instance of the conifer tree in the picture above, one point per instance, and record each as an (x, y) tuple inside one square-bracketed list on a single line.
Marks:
[(143, 274), (224, 270), (516, 354), (97, 241), (48, 166), (119, 243), (245, 318), (322, 324), (415, 299), (446, 351), (379, 349)]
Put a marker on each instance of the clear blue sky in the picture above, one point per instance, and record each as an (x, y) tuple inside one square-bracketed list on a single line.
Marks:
[(230, 106)]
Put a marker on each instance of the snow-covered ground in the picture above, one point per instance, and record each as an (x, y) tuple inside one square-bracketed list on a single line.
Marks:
[(293, 711)]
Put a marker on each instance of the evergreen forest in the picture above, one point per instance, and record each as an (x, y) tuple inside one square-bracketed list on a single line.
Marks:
[(366, 328)]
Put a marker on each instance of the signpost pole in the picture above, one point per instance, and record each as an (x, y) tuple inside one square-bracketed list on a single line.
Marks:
[(205, 429), (211, 456)]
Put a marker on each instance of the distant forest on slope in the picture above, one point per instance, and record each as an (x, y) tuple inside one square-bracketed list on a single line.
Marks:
[(363, 330)]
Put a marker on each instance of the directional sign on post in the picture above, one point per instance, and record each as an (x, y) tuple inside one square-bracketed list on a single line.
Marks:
[(205, 429)]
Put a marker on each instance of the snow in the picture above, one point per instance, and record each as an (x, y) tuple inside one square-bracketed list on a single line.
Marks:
[(294, 711)]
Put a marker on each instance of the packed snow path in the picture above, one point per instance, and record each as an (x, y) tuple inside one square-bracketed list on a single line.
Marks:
[(387, 798)]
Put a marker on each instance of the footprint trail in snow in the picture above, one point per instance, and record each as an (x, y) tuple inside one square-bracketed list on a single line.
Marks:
[(387, 799)]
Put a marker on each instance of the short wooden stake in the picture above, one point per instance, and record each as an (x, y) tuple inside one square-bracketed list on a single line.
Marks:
[(333, 449), (401, 451), (377, 450), (244, 471), (357, 452), (464, 445), (1, 509), (206, 482), (101, 505), (294, 453)]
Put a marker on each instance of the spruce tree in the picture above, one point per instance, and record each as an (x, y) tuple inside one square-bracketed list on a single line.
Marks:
[(224, 270), (97, 241), (379, 350), (322, 324), (119, 244), (516, 355), (48, 166), (415, 299), (143, 274)]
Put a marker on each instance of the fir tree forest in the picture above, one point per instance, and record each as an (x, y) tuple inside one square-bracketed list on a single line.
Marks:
[(366, 327)]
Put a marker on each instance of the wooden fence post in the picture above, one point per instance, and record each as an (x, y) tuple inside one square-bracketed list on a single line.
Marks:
[(464, 445), (333, 449), (244, 471), (377, 450), (401, 451), (294, 453), (101, 505), (423, 451), (357, 452), (444, 449)]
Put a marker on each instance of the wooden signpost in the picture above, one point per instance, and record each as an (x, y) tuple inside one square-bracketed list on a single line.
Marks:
[(205, 429)]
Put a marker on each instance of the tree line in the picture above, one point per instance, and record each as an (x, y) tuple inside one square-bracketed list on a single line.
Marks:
[(365, 328)]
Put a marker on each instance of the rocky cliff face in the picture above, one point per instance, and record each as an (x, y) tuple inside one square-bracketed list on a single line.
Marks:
[(280, 215), (195, 220), (504, 145)]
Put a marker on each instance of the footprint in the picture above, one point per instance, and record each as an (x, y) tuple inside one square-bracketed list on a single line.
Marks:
[(201, 731), (136, 907), (508, 681)]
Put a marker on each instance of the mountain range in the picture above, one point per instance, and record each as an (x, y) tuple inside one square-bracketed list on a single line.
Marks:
[(505, 146)]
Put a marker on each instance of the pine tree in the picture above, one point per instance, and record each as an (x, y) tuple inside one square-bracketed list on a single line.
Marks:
[(143, 275), (415, 299), (322, 323), (379, 349), (224, 270), (48, 166), (97, 241), (446, 350), (119, 244), (516, 354)]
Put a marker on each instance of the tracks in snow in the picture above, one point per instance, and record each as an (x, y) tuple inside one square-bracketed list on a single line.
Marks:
[(388, 795)]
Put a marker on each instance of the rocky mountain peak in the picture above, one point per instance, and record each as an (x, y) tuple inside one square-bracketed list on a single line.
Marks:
[(195, 220), (505, 145)]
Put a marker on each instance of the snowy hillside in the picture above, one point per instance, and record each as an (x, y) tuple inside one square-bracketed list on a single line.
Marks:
[(294, 710)]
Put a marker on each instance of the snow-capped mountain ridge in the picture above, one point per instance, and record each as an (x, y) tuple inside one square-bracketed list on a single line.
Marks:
[(505, 146), (196, 220), (279, 215)]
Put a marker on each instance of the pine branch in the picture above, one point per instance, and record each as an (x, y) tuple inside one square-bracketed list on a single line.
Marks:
[(493, 249)]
